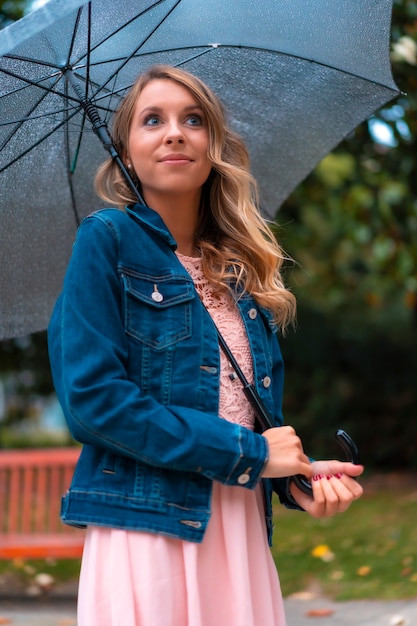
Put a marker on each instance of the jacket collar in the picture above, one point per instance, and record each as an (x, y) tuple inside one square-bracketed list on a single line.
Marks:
[(151, 219)]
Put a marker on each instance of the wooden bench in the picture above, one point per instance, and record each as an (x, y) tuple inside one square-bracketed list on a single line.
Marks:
[(31, 485)]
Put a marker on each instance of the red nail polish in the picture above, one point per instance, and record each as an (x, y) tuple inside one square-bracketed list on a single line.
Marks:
[(317, 477), (339, 475), (329, 477)]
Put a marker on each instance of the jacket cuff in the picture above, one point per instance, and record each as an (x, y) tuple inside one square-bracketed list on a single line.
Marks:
[(281, 486), (248, 468)]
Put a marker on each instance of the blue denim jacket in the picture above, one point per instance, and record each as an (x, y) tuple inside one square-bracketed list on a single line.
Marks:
[(137, 375)]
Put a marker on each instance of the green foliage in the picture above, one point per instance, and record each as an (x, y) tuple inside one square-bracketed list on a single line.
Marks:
[(20, 577), (11, 10), (352, 225), (25, 374), (360, 378)]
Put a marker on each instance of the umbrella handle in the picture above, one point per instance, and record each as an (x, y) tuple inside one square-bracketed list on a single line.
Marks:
[(351, 453)]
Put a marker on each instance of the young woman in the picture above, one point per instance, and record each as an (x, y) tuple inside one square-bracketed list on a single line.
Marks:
[(169, 482)]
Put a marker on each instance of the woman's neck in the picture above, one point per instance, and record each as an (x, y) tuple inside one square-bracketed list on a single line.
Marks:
[(181, 216)]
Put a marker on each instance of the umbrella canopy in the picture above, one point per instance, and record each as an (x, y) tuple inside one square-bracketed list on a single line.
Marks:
[(296, 78)]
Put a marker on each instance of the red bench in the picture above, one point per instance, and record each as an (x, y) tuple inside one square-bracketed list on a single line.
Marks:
[(31, 485)]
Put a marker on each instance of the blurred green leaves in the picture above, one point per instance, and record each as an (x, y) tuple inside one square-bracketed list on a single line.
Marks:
[(11, 10)]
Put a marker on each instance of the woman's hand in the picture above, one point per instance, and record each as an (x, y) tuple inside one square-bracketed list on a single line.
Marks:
[(286, 454), (334, 488)]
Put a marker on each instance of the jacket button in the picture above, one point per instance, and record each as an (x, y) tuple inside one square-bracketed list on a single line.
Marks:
[(252, 313), (243, 479), (157, 296), (192, 523), (208, 369), (266, 382)]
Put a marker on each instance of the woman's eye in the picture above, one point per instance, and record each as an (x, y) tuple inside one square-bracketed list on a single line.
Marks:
[(195, 120), (151, 120)]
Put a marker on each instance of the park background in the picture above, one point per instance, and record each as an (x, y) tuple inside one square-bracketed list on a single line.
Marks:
[(350, 232)]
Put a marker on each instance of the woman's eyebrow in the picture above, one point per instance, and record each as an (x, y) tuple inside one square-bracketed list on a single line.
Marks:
[(157, 109)]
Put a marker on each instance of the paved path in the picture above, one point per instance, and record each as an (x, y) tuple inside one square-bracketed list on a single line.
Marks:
[(299, 613), (364, 613)]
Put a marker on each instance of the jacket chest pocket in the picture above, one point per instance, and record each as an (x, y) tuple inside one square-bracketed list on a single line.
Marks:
[(158, 310)]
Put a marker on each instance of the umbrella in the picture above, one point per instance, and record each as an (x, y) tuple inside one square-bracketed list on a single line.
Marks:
[(295, 76)]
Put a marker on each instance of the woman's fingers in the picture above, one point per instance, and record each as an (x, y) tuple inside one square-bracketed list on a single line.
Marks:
[(328, 468), (331, 494), (334, 496)]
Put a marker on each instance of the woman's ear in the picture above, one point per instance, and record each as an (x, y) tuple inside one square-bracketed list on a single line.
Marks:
[(126, 160)]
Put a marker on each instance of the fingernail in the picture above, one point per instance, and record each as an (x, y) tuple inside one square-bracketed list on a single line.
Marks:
[(317, 477), (338, 475), (329, 477)]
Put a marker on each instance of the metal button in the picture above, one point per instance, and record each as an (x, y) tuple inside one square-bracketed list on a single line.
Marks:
[(156, 295), (243, 479), (252, 313), (208, 369), (192, 523), (266, 382)]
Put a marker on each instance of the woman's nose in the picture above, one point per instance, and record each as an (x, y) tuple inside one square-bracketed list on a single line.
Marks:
[(174, 133)]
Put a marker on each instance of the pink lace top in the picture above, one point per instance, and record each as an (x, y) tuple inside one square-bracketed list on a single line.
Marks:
[(233, 404)]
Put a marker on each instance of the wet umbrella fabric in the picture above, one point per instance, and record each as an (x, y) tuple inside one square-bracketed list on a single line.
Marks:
[(296, 78)]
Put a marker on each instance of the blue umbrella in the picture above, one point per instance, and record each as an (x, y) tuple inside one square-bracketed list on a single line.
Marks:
[(295, 76)]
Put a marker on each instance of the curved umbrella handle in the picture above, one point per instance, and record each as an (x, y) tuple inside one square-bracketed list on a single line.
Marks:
[(351, 453)]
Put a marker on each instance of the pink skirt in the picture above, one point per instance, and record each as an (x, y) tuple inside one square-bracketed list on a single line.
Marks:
[(141, 579)]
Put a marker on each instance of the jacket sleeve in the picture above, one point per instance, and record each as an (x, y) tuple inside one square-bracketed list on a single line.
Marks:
[(88, 351)]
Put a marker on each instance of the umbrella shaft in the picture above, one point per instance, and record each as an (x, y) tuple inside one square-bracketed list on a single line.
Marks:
[(101, 130), (92, 113)]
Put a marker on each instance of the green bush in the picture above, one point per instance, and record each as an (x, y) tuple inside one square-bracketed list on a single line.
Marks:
[(360, 378)]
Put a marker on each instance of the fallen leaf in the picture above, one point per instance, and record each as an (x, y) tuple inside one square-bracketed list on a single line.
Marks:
[(303, 595), (363, 571), (320, 550), (398, 620), (320, 612), (323, 552), (44, 580)]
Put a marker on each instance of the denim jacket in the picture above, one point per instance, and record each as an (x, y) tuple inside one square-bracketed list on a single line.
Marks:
[(135, 362)]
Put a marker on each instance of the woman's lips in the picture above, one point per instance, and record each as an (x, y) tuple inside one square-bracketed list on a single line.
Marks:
[(176, 158)]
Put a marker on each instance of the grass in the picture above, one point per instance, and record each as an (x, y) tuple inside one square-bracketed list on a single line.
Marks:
[(24, 576), (368, 552)]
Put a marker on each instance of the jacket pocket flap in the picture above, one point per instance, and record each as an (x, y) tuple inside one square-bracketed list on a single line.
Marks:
[(159, 291)]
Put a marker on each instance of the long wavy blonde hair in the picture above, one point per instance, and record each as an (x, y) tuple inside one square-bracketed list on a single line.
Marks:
[(237, 245)]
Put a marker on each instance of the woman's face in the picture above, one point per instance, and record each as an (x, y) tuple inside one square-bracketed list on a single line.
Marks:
[(168, 142)]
